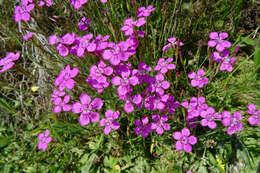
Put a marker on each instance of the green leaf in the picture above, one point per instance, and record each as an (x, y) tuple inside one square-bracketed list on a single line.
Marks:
[(6, 106), (257, 59), (4, 141), (88, 162), (248, 41)]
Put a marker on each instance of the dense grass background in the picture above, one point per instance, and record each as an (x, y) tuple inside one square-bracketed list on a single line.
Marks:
[(25, 113)]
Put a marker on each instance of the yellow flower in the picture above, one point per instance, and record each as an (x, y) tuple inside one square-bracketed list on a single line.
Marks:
[(222, 166), (117, 167), (34, 88)]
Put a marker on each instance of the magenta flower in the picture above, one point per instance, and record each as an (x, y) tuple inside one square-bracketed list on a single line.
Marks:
[(254, 119), (28, 36), (109, 122), (64, 79), (97, 77), (45, 139), (197, 79), (118, 52), (227, 62), (128, 107), (84, 43), (78, 3), (232, 122), (171, 104), (64, 42), (159, 85), (83, 24), (48, 3), (185, 141), (85, 107), (160, 123), (101, 43), (209, 115), (154, 102), (217, 39), (195, 107), (7, 61), (61, 105), (56, 94), (23, 12), (103, 1), (125, 82), (142, 127), (129, 25), (145, 12), (172, 43), (164, 65), (53, 39)]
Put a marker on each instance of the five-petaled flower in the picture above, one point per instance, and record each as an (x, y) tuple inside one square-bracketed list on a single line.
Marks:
[(45, 139), (232, 122), (142, 127), (109, 122), (185, 141), (64, 80), (197, 79), (218, 40), (163, 65), (160, 124), (85, 107)]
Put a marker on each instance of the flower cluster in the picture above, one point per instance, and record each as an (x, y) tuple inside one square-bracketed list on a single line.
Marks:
[(22, 12), (197, 79), (113, 66), (222, 54)]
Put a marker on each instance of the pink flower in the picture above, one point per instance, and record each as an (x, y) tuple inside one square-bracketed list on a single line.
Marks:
[(197, 79), (61, 105), (7, 61), (217, 39), (185, 141), (45, 139), (27, 36), (85, 107), (254, 119), (160, 123), (109, 122), (83, 24), (232, 122), (227, 62), (142, 11), (164, 65), (78, 3), (159, 85), (209, 116), (124, 82), (64, 80), (48, 3), (142, 127), (172, 43), (23, 12)]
